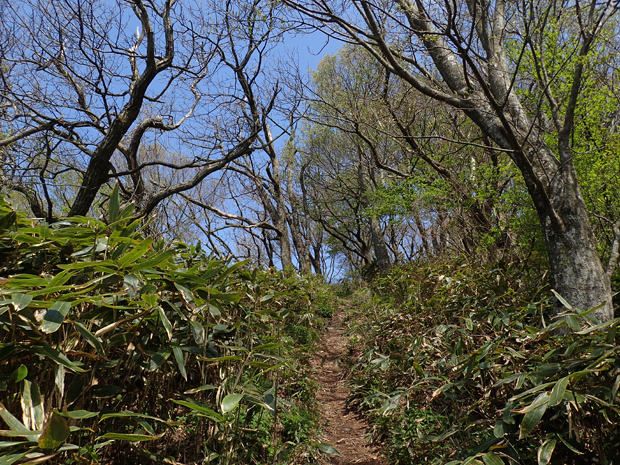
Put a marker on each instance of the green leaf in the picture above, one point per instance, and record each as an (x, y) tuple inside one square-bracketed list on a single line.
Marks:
[(472, 459), (12, 458), (178, 355), (130, 437), (149, 299), (598, 326), (58, 357), (166, 322), (90, 338), (547, 370), (205, 387), (151, 262), (21, 301), (527, 393), (329, 449), (158, 359), (572, 322), (570, 447), (130, 414), (230, 402), (11, 421), (9, 444), (132, 284), (533, 414), (113, 205), (224, 358), (60, 279), (185, 292), (136, 253), (562, 300), (59, 378), (126, 213), (557, 394), (54, 317), (100, 245), (28, 434), (201, 408), (32, 406), (418, 369), (6, 221), (545, 451), (270, 402), (96, 264), (20, 373), (268, 346), (80, 414), (500, 429), (48, 290), (198, 332), (261, 365), (224, 297), (491, 458), (55, 432), (214, 311), (614, 389)]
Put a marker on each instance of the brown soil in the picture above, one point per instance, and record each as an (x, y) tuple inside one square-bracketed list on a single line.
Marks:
[(344, 429)]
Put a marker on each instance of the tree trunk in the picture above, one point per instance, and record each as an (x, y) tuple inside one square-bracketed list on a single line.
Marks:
[(99, 166), (278, 212), (299, 242), (315, 259), (285, 247), (423, 233), (480, 81), (577, 273), (378, 242)]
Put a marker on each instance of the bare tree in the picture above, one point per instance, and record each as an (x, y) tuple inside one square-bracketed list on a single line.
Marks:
[(89, 88)]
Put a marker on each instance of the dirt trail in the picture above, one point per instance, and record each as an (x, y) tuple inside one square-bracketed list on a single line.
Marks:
[(344, 429)]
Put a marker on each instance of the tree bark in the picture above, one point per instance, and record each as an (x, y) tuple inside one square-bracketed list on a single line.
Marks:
[(577, 272), (378, 241)]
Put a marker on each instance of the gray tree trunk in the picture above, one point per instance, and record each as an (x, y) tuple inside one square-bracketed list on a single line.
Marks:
[(278, 212), (299, 242), (577, 273), (378, 241)]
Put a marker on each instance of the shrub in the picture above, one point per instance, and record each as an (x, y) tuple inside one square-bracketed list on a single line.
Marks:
[(477, 350), (324, 310), (121, 350)]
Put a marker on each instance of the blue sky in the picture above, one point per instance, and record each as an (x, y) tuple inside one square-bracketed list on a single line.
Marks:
[(311, 48)]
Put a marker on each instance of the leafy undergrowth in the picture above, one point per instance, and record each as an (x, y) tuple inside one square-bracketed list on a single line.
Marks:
[(115, 349), (464, 364)]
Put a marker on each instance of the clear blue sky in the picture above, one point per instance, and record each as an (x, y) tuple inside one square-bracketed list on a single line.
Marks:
[(310, 48)]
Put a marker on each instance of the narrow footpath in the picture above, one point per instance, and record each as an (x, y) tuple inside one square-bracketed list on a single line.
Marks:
[(345, 430)]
